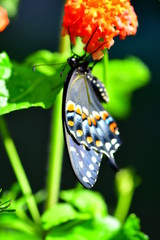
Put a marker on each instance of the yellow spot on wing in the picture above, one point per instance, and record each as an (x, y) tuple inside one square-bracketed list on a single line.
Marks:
[(70, 107), (78, 110), (79, 133), (89, 139), (98, 143), (70, 123)]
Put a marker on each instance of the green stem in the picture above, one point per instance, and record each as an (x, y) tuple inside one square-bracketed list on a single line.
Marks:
[(123, 206), (56, 141), (18, 170), (105, 68), (56, 154), (126, 181)]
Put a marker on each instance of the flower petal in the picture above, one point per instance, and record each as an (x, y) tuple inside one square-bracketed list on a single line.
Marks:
[(109, 17)]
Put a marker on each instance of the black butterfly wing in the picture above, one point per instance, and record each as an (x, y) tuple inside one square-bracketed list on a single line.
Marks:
[(88, 127), (85, 162)]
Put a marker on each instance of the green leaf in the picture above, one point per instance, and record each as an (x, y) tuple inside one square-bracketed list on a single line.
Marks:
[(95, 229), (107, 228), (130, 230), (123, 78), (85, 201), (5, 66), (60, 213), (5, 205), (11, 6), (15, 235), (14, 191), (26, 88), (14, 224), (100, 228)]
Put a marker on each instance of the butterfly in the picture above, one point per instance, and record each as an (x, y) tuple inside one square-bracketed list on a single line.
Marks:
[(89, 130)]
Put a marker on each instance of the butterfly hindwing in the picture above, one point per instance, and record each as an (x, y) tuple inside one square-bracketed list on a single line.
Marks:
[(85, 162)]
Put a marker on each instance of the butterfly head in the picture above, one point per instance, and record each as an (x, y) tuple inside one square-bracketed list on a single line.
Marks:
[(77, 61), (73, 62)]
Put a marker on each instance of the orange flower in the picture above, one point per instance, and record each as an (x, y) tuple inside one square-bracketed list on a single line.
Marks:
[(4, 21), (105, 18)]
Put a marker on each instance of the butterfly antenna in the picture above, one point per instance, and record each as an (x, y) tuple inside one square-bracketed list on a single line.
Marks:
[(96, 50), (45, 64), (90, 40), (61, 74), (71, 45)]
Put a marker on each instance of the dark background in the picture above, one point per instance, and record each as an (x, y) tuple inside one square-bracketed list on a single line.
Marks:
[(37, 26)]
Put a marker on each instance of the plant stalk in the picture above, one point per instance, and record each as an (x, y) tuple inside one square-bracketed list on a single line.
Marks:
[(56, 141), (105, 68), (18, 170), (123, 206), (126, 181), (56, 154)]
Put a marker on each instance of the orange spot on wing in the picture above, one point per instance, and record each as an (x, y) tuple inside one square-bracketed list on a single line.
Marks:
[(93, 121), (112, 126), (97, 116), (89, 121), (83, 116), (104, 115)]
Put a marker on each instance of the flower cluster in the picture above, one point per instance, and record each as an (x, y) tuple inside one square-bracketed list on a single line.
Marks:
[(4, 21), (106, 18)]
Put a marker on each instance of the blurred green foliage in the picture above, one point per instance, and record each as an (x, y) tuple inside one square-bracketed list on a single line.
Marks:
[(82, 215)]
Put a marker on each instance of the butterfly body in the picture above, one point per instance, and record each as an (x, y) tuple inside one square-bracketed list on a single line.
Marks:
[(90, 132)]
